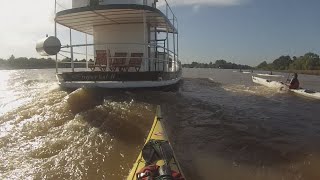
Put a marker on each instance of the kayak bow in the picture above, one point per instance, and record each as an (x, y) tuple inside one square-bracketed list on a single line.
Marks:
[(157, 154), (307, 93)]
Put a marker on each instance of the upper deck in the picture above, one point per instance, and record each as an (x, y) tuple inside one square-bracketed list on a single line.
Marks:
[(85, 3), (83, 15)]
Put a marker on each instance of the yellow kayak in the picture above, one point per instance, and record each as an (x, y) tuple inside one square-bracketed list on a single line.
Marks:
[(157, 159)]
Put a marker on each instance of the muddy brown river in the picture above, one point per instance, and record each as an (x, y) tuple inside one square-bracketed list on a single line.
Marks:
[(220, 124)]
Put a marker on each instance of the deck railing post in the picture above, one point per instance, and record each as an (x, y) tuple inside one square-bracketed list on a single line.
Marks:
[(145, 40), (177, 41), (164, 57), (168, 52), (167, 55), (55, 30), (108, 57), (87, 62), (149, 46), (174, 46), (167, 9), (71, 51), (156, 47)]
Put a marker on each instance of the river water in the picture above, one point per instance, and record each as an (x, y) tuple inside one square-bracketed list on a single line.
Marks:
[(221, 126)]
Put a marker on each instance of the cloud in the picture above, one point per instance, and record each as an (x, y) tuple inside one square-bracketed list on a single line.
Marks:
[(25, 22), (22, 24), (204, 2), (196, 8)]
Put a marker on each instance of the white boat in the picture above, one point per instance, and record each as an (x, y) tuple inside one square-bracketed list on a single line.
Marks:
[(135, 44), (270, 75), (281, 86)]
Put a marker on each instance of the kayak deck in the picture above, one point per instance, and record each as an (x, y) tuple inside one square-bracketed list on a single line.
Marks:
[(307, 93), (156, 133)]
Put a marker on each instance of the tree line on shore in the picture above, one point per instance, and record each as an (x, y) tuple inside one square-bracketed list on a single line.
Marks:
[(309, 61), (38, 63), (43, 63), (221, 64)]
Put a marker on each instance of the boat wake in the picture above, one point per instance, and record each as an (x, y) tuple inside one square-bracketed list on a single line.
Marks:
[(246, 130), (61, 135), (251, 90), (98, 134), (239, 89)]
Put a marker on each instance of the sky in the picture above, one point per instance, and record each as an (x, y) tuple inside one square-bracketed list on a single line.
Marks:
[(240, 31)]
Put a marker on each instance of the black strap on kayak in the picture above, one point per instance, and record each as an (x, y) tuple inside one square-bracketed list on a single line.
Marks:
[(156, 150), (309, 91)]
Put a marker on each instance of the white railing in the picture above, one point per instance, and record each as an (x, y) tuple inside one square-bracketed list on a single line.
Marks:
[(157, 58)]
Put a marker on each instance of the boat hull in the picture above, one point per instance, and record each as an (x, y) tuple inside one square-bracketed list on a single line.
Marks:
[(119, 84), (118, 80)]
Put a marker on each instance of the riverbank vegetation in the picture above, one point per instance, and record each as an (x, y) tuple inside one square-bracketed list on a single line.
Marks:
[(306, 64), (221, 64), (38, 63), (309, 61)]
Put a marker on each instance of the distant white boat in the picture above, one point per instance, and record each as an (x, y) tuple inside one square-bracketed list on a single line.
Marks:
[(246, 72), (270, 75)]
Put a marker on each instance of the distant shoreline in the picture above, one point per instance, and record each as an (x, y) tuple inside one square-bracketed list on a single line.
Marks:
[(34, 63), (9, 68), (307, 72), (5, 69)]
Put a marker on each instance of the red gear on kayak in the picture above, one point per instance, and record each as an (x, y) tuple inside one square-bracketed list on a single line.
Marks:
[(152, 171)]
